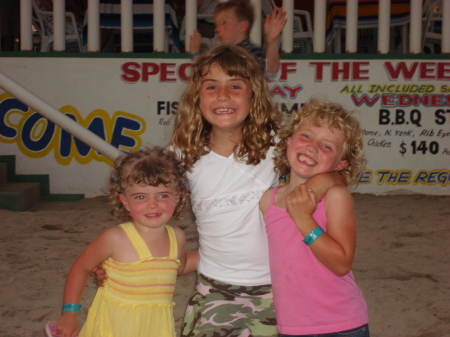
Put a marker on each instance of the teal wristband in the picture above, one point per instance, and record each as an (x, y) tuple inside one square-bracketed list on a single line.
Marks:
[(195, 54), (71, 307), (311, 237)]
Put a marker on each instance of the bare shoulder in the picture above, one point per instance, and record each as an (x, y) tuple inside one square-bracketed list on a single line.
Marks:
[(179, 234), (112, 234), (338, 196), (265, 200)]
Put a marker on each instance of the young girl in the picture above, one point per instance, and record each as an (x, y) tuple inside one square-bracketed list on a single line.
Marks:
[(224, 132), (312, 245), (142, 256)]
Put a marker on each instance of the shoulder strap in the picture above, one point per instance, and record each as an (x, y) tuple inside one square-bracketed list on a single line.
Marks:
[(272, 196), (173, 242), (137, 241)]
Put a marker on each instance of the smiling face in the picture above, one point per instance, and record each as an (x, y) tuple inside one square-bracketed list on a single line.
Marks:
[(315, 149), (150, 206), (224, 100)]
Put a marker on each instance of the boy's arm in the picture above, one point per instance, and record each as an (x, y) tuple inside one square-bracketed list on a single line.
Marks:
[(320, 183), (98, 251), (273, 26)]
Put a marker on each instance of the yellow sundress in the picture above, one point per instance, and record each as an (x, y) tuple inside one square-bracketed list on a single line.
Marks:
[(136, 299)]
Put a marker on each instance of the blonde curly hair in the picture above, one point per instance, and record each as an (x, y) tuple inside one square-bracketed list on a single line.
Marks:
[(147, 167), (335, 116), (192, 131)]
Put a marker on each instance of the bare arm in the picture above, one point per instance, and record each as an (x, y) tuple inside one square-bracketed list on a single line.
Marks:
[(195, 41), (273, 26), (335, 249), (320, 183), (98, 251), (188, 260)]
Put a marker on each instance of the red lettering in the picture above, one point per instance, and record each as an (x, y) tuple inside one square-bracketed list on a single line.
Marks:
[(182, 71), (318, 76), (357, 72), (401, 69), (425, 69), (388, 100), (285, 69), (165, 72), (443, 71), (130, 74), (336, 70), (149, 68), (277, 90), (365, 99)]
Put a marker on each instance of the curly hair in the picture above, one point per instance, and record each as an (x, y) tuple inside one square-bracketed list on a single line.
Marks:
[(335, 116), (147, 167), (192, 131)]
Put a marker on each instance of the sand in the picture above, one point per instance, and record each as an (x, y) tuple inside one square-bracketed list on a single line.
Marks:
[(402, 262)]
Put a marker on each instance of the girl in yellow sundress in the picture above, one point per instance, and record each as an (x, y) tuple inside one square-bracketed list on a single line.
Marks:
[(141, 256)]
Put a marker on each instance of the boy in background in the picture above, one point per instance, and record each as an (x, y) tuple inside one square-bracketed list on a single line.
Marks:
[(233, 20)]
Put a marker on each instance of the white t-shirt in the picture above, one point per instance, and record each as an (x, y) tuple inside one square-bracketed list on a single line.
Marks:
[(225, 199)]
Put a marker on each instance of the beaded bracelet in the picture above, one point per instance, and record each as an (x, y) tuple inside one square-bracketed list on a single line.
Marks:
[(311, 237), (71, 307)]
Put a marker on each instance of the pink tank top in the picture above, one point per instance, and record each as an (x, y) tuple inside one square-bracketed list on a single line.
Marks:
[(308, 297)]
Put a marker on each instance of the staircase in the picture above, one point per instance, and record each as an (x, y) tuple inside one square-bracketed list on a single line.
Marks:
[(20, 192)]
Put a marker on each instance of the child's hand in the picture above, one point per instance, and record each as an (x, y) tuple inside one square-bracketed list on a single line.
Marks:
[(195, 42), (274, 24), (301, 203), (67, 324), (100, 275)]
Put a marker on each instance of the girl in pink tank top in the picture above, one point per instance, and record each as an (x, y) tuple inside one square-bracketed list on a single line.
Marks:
[(312, 244)]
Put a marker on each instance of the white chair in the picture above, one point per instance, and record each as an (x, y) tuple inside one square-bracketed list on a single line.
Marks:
[(42, 25), (303, 33), (432, 34)]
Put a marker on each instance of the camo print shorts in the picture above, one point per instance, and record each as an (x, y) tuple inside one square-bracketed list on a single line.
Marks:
[(218, 309)]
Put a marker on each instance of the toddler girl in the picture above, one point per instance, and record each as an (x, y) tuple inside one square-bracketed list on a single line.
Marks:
[(142, 256)]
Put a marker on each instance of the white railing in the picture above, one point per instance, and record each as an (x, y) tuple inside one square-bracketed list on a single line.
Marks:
[(93, 35)]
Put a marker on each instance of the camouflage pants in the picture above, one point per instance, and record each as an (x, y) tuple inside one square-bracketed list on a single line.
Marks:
[(218, 309)]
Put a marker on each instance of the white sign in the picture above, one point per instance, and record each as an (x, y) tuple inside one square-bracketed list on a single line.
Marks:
[(403, 106)]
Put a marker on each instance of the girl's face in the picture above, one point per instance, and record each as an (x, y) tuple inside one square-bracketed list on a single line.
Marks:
[(315, 149), (224, 100), (150, 206)]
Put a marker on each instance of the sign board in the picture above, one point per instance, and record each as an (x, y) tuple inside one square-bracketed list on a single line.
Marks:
[(402, 104)]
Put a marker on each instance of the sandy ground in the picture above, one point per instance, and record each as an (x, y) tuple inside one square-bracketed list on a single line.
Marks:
[(402, 262)]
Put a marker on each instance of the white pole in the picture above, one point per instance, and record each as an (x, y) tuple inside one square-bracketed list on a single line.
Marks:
[(59, 25), (384, 16), (26, 35), (48, 111), (415, 32), (126, 19), (255, 32), (159, 20), (190, 22), (446, 26), (320, 23), (351, 33), (93, 42), (288, 30)]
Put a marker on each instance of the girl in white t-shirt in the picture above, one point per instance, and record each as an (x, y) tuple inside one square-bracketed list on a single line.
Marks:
[(225, 130)]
